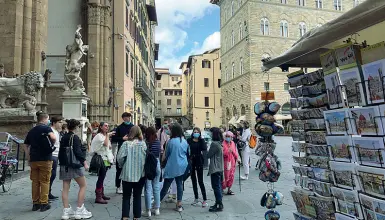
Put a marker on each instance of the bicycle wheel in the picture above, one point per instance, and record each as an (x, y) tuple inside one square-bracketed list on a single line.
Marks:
[(8, 174)]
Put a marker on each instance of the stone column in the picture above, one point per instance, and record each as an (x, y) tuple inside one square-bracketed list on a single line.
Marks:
[(107, 61), (101, 65), (93, 59), (26, 43)]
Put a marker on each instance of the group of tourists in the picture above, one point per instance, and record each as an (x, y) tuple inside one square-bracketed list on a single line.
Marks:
[(129, 148)]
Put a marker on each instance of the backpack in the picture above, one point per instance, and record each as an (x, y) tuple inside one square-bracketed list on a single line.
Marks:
[(150, 165), (253, 141)]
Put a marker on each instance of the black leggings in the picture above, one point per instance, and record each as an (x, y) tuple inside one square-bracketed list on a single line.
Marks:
[(198, 171), (101, 176)]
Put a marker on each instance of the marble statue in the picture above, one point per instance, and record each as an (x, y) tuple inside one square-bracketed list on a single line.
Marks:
[(47, 77), (73, 66), (24, 88)]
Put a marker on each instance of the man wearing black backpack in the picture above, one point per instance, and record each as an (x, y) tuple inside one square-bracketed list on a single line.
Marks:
[(120, 137), (38, 148)]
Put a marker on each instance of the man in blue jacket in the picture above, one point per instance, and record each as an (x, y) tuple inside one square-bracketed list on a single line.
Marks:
[(120, 137)]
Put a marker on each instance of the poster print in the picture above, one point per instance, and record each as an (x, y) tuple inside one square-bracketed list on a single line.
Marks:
[(334, 93), (372, 180), (373, 75), (344, 175), (347, 202), (353, 87), (366, 121), (369, 150), (337, 122), (340, 148)]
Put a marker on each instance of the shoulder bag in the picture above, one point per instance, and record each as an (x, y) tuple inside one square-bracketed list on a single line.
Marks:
[(71, 160)]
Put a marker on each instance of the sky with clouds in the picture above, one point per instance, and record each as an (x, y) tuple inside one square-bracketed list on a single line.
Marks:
[(185, 27)]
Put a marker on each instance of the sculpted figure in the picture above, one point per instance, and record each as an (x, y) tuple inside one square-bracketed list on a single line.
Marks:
[(23, 88), (73, 66)]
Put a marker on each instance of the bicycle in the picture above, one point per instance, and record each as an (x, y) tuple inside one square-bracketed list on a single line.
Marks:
[(7, 166)]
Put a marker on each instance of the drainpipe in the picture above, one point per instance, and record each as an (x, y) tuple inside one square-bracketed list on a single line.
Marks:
[(113, 61)]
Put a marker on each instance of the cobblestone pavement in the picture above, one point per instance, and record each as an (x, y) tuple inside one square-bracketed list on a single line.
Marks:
[(16, 204)]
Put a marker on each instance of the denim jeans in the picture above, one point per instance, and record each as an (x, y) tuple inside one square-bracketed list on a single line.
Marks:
[(179, 186), (53, 172), (134, 189), (153, 188), (216, 184)]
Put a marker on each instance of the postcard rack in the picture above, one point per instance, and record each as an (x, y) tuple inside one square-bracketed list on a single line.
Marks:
[(310, 151)]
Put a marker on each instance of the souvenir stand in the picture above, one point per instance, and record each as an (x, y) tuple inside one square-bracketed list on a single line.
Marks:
[(268, 164), (353, 178)]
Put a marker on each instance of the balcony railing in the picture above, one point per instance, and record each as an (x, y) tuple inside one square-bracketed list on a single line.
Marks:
[(143, 89)]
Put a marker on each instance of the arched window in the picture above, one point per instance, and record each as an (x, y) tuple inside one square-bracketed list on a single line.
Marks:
[(302, 28), (264, 26), (284, 29), (241, 66), (243, 110), (235, 111), (233, 70), (232, 38), (240, 31), (232, 8)]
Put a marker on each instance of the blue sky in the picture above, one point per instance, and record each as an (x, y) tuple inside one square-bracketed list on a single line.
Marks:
[(185, 27)]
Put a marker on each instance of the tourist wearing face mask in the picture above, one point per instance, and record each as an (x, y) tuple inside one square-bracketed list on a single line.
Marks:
[(121, 135), (245, 138), (197, 146), (230, 158)]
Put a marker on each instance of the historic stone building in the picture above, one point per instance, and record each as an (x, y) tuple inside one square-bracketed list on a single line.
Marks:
[(202, 89), (23, 35), (252, 30), (119, 75)]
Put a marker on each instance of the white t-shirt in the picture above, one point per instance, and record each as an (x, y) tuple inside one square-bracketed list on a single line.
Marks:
[(97, 146), (57, 143)]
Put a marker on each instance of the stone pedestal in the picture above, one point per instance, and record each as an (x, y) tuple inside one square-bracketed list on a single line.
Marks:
[(75, 107), (17, 121)]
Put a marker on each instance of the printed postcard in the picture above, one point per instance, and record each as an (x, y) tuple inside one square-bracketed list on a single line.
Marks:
[(347, 202), (340, 148), (369, 150), (334, 92), (353, 87), (372, 180), (366, 120), (373, 75), (344, 175), (337, 122)]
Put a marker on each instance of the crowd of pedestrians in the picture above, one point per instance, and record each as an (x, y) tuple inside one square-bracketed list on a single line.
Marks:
[(53, 143)]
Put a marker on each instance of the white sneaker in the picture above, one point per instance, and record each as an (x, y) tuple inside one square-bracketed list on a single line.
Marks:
[(68, 213), (147, 213), (204, 204), (82, 213), (157, 212), (244, 177), (196, 201), (119, 190)]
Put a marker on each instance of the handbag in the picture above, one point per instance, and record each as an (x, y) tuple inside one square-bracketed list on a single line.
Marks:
[(71, 160), (96, 164)]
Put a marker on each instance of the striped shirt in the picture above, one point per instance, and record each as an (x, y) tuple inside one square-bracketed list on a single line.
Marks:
[(131, 158), (155, 148)]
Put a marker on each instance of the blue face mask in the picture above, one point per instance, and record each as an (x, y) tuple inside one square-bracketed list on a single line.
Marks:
[(196, 135), (127, 122), (167, 132), (49, 122), (228, 139)]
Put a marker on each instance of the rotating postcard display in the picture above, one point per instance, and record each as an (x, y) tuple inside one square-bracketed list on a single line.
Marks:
[(312, 194), (268, 164)]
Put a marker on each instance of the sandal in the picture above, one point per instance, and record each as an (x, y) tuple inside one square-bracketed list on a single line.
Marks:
[(230, 193)]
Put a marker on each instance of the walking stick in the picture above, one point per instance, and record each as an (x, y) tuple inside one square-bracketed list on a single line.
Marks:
[(239, 177)]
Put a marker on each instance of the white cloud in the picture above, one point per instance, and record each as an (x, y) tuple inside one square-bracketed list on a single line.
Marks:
[(174, 16)]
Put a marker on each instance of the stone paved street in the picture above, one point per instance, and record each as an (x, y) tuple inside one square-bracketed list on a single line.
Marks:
[(16, 204)]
